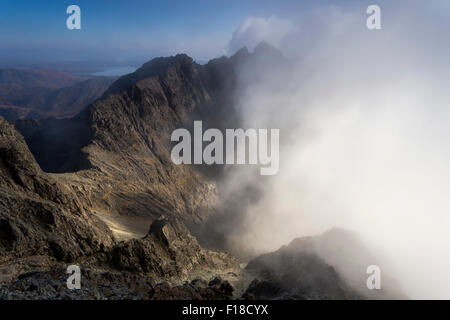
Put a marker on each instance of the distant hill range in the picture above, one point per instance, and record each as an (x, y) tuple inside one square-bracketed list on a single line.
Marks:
[(35, 93)]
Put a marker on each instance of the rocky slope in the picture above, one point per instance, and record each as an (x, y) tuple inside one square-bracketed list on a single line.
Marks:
[(38, 214), (43, 224)]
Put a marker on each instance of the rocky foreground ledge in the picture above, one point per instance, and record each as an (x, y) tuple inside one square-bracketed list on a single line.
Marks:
[(106, 285), (168, 263)]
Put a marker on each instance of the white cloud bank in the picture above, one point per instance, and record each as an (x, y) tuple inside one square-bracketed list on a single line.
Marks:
[(364, 119)]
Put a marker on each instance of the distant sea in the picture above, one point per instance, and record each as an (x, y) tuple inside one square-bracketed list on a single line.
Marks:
[(113, 71)]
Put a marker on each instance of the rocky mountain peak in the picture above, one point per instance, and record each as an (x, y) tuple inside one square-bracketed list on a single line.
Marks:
[(267, 50), (240, 54), (153, 68)]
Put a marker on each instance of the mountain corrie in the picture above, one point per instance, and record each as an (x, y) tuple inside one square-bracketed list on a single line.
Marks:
[(236, 151)]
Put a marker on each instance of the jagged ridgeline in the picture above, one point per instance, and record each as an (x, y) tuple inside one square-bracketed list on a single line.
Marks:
[(119, 146)]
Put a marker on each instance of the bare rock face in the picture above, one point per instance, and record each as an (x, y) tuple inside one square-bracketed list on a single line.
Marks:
[(37, 214), (170, 252)]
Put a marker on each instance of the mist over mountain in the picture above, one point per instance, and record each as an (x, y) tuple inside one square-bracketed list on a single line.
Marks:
[(332, 265)]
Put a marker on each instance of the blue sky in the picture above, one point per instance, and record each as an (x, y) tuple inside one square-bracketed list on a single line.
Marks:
[(137, 30), (128, 30)]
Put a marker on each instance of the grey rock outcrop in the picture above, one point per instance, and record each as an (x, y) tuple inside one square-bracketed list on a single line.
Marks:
[(169, 251)]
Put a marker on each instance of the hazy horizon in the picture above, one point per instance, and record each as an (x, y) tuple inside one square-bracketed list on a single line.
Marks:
[(36, 34)]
